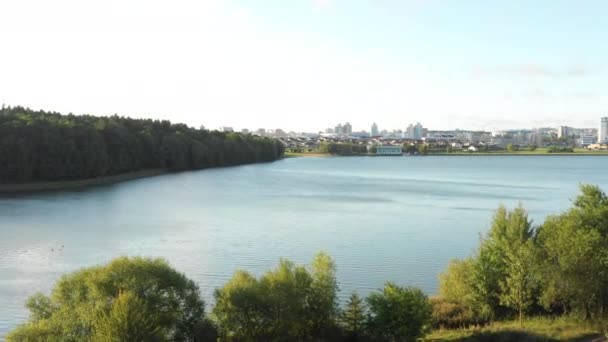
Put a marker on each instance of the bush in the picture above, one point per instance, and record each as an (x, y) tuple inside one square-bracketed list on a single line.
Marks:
[(128, 298), (285, 304), (449, 315), (398, 313)]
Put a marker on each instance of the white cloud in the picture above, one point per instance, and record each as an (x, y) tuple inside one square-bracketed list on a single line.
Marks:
[(205, 62), (323, 3), (535, 70)]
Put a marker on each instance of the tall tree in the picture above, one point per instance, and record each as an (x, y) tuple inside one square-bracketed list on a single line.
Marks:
[(518, 284), (353, 316), (574, 250)]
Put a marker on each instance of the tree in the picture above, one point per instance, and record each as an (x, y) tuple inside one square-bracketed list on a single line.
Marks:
[(488, 267), (517, 286), (398, 313), (127, 320), (574, 251), (455, 282), (323, 301), (88, 301), (243, 309), (40, 146), (353, 317), (449, 149), (409, 148), (501, 275), (423, 149), (287, 303)]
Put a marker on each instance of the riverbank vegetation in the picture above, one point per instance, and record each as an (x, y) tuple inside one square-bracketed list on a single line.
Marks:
[(47, 146), (528, 282), (360, 149)]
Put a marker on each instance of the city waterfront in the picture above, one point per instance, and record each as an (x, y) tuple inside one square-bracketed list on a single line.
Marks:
[(399, 219)]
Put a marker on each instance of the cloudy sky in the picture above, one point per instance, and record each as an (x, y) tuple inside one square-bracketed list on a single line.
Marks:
[(308, 64)]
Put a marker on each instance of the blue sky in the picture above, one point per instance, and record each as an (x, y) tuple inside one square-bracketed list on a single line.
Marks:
[(309, 64)]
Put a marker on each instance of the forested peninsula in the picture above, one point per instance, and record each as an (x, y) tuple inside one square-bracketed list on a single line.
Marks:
[(39, 146)]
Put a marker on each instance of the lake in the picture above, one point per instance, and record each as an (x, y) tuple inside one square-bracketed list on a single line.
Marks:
[(381, 218)]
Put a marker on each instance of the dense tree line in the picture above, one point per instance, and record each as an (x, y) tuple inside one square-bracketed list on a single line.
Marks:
[(343, 149), (560, 149), (557, 268), (141, 299), (38, 145)]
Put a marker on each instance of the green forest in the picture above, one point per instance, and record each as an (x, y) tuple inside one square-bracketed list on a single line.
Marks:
[(47, 146), (553, 273)]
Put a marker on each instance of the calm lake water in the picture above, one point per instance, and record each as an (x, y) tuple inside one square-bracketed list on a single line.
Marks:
[(381, 218)]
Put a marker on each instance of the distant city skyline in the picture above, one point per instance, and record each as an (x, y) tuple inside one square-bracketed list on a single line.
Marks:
[(305, 65)]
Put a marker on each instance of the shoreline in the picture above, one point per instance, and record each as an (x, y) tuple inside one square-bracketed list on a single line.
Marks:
[(474, 154), (20, 188), (16, 188)]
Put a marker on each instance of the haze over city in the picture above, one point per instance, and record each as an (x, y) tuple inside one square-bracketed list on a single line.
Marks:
[(306, 65)]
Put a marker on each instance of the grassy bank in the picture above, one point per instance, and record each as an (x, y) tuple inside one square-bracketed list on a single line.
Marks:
[(305, 154), (456, 154), (535, 329), (537, 152), (75, 184)]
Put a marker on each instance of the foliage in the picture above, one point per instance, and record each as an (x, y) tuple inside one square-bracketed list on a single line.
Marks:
[(561, 267), (128, 319), (343, 149), (92, 303), (517, 287), (452, 314), (44, 146), (423, 148), (574, 250), (512, 148), (409, 148), (456, 305), (543, 329), (398, 313), (558, 149), (290, 302), (353, 316)]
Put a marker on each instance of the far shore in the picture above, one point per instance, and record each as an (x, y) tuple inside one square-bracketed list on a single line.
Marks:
[(15, 188), (456, 154), (76, 184)]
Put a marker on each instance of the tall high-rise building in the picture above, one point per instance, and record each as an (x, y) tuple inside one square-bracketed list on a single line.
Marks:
[(347, 128), (415, 131), (339, 129), (375, 132), (564, 132), (418, 131), (409, 132), (602, 133)]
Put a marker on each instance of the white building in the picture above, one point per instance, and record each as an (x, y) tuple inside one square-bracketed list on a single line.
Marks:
[(414, 131), (347, 128), (375, 132), (389, 150), (586, 140), (602, 133)]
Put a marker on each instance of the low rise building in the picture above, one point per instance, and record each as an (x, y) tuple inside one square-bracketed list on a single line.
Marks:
[(389, 150)]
